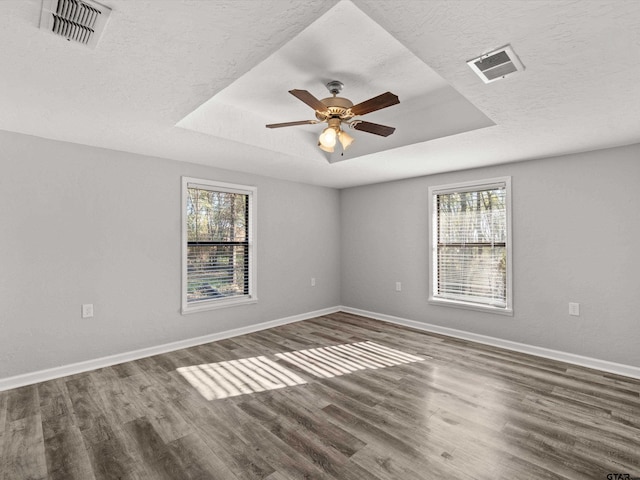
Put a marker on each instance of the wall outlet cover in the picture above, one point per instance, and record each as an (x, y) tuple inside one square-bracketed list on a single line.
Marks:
[(574, 309), (87, 310)]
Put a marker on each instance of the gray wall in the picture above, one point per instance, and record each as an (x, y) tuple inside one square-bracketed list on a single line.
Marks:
[(87, 225), (576, 234)]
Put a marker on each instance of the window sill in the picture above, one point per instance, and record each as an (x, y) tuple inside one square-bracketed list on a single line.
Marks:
[(471, 306), (216, 304)]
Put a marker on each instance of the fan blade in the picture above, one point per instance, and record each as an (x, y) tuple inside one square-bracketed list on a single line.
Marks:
[(374, 128), (309, 99), (291, 124), (376, 103)]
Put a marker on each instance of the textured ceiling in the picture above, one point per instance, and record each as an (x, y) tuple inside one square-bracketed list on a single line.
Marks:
[(159, 60)]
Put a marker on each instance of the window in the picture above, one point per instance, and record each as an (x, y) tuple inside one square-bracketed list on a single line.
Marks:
[(471, 245), (218, 249)]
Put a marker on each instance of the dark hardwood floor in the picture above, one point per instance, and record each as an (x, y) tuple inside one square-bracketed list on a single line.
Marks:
[(399, 404)]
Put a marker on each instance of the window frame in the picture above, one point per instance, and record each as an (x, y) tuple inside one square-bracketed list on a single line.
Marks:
[(470, 186), (215, 303)]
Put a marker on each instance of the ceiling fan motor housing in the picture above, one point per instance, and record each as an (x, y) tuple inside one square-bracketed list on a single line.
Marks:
[(336, 106)]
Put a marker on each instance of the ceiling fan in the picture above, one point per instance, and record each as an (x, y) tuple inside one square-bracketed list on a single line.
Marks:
[(335, 111)]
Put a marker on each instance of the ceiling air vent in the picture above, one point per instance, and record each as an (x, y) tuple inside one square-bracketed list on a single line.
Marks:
[(496, 65), (79, 21)]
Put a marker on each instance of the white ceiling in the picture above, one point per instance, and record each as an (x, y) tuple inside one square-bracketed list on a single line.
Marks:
[(158, 61)]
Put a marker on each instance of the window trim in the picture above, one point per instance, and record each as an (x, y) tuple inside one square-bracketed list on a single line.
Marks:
[(212, 304), (433, 242)]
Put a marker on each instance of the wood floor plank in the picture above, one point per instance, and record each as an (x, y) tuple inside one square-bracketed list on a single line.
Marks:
[(285, 343), (245, 461), (536, 452), (312, 423), (126, 369), (327, 445), (463, 411), (365, 430), (83, 396), (150, 450), (110, 460), (276, 476), (218, 427), (325, 458), (511, 466), (260, 345), (165, 363), (416, 433), (23, 455), (197, 461), (66, 455), (282, 456), (384, 464), (116, 396), (22, 402)]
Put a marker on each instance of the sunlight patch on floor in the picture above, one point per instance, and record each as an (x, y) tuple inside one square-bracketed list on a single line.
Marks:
[(339, 360), (259, 374), (238, 377)]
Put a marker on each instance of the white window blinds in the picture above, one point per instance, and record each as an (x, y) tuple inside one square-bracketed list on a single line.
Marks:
[(218, 247), (471, 245)]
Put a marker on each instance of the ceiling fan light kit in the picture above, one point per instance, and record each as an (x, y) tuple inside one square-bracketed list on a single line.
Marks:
[(335, 111), (345, 139), (328, 137)]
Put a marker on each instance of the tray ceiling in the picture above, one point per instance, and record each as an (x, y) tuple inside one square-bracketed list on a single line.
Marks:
[(429, 107), (197, 81)]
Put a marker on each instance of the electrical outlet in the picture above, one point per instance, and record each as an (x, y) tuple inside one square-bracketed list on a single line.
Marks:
[(398, 286), (574, 309), (87, 310), (313, 281)]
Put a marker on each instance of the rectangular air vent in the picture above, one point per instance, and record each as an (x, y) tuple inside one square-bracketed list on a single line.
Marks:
[(496, 65), (81, 21)]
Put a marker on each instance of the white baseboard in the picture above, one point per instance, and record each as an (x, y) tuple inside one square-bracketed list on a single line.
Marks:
[(80, 367), (74, 368), (603, 365)]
